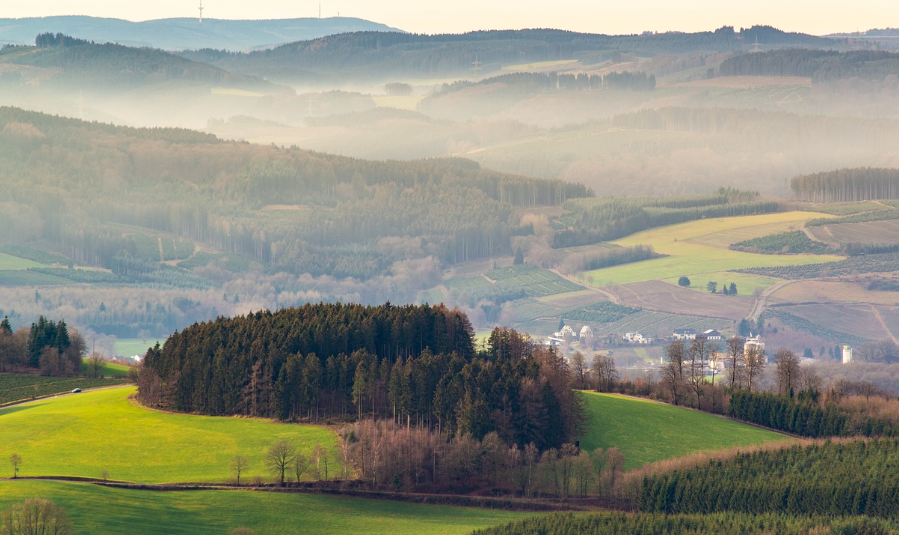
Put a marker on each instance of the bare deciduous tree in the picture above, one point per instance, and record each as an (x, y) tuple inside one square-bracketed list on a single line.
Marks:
[(673, 371), (95, 365), (300, 465), (700, 349), (579, 366), (36, 516), (788, 370), (603, 368), (279, 458), (239, 465), (736, 361), (755, 364), (16, 461)]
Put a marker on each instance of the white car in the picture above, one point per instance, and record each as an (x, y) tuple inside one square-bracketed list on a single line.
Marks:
[(76, 391)]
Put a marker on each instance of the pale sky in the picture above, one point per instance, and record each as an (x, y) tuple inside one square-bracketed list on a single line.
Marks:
[(594, 16)]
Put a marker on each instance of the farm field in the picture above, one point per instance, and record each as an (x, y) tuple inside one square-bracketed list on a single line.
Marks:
[(748, 82), (128, 347), (879, 232), (666, 297), (9, 263), (84, 434), (14, 387), (747, 283), (814, 291), (690, 258), (660, 324), (22, 277), (99, 510), (108, 369), (646, 431), (859, 319)]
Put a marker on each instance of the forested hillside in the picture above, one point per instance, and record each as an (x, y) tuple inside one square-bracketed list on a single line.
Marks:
[(374, 55), (67, 62), (847, 185), (819, 65), (184, 33), (173, 208), (416, 364)]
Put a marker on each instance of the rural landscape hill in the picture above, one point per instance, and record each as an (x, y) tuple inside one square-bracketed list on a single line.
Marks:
[(368, 56), (325, 276), (184, 33)]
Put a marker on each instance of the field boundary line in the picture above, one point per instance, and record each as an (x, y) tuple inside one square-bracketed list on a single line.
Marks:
[(58, 394)]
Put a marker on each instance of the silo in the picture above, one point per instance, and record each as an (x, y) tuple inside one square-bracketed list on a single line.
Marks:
[(847, 354)]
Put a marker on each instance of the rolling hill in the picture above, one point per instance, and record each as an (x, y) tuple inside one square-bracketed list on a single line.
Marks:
[(646, 431), (184, 33), (65, 437), (97, 509), (382, 56)]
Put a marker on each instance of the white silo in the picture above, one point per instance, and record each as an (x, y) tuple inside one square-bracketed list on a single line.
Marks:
[(847, 354)]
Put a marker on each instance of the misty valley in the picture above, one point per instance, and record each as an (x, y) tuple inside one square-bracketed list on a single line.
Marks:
[(325, 275)]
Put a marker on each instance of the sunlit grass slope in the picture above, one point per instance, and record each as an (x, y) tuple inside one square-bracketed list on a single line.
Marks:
[(84, 434), (98, 510), (646, 432), (700, 247)]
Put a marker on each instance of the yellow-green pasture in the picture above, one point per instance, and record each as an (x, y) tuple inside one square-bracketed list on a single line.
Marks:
[(85, 434), (695, 248), (101, 510)]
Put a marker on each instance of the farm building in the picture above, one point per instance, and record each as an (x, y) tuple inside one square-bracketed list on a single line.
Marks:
[(712, 335), (684, 334), (637, 338), (586, 337)]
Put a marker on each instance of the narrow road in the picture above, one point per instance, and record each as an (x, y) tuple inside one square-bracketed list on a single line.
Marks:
[(759, 305), (883, 324), (612, 297), (59, 395)]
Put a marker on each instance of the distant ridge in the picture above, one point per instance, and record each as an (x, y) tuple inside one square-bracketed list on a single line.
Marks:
[(185, 33)]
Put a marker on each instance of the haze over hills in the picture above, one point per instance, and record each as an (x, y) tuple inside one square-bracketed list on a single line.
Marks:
[(373, 56), (185, 33)]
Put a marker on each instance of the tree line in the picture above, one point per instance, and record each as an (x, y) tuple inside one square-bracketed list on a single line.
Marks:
[(47, 345), (712, 524), (415, 364), (847, 185), (590, 221), (819, 65), (833, 478)]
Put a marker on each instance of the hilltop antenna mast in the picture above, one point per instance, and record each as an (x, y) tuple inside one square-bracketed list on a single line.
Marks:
[(319, 9), (201, 11), (476, 65), (756, 47)]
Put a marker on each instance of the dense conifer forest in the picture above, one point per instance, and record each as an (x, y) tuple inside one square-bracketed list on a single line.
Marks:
[(411, 363), (830, 478), (819, 65), (718, 524), (844, 185)]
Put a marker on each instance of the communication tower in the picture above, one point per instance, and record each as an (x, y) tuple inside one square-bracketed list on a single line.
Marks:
[(201, 11), (476, 65)]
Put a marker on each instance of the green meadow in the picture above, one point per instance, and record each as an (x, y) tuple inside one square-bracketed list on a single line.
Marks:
[(85, 434), (646, 431), (700, 248), (100, 510)]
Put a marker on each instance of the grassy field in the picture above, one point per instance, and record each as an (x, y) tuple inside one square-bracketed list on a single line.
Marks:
[(134, 346), (647, 432), (746, 283), (109, 369), (8, 262), (879, 232), (14, 387), (99, 510), (21, 277), (689, 255), (83, 434)]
